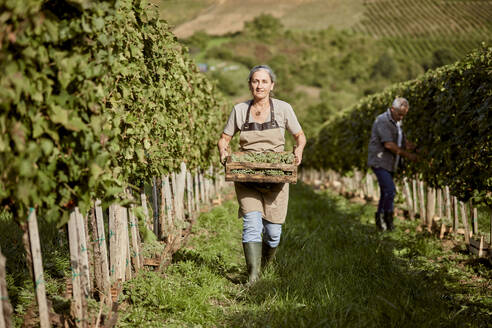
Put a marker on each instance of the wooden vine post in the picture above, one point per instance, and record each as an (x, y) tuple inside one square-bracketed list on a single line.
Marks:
[(134, 232), (197, 192), (101, 241), (174, 193), (474, 218), (176, 203), (181, 186), (408, 198), (431, 206), (439, 202), (465, 223), (456, 215), (143, 199), (210, 184), (155, 207), (90, 255), (5, 306), (422, 207), (73, 241), (161, 234), (447, 199), (96, 255), (169, 218), (37, 262), (189, 195), (128, 260), (415, 196), (83, 257), (216, 183), (202, 187), (118, 247)]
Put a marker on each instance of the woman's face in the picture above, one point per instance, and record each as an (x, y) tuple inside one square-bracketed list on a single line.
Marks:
[(261, 84)]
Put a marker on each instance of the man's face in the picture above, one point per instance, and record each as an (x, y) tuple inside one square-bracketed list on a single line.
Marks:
[(399, 114)]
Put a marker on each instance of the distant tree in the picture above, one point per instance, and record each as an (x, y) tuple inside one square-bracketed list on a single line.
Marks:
[(197, 42), (264, 26), (385, 66)]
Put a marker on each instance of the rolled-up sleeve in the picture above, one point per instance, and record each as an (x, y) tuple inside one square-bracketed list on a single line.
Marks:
[(291, 123), (383, 130), (231, 126)]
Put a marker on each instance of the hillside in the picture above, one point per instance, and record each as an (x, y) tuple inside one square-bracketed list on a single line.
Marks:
[(219, 17), (416, 27)]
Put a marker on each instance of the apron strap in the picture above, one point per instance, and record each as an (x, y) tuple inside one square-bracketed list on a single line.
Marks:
[(254, 126), (247, 113)]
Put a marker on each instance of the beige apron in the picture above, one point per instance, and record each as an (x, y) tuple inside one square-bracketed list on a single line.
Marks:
[(271, 199)]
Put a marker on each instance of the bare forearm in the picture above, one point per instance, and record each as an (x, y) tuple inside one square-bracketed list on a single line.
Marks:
[(300, 144), (222, 145), (393, 147), (300, 140)]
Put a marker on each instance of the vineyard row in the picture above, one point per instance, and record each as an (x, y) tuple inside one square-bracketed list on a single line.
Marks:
[(96, 97), (426, 18), (449, 120), (106, 246), (438, 211)]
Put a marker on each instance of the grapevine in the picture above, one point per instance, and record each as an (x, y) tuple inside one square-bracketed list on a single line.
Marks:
[(95, 95), (449, 120)]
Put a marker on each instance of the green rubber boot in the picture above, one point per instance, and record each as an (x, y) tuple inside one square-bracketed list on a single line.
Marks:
[(252, 253), (267, 254)]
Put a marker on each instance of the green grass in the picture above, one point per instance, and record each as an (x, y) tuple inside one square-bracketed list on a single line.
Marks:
[(332, 270)]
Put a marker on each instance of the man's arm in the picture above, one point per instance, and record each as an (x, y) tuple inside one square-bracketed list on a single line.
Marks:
[(393, 147), (300, 144), (222, 145)]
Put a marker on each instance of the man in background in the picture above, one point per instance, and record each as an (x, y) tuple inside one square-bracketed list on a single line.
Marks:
[(386, 147)]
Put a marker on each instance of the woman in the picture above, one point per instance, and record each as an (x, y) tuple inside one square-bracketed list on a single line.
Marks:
[(261, 123)]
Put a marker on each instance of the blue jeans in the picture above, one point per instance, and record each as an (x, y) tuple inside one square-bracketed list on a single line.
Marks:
[(388, 189), (254, 226)]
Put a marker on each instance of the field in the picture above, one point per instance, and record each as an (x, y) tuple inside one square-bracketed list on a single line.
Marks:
[(422, 26), (415, 28)]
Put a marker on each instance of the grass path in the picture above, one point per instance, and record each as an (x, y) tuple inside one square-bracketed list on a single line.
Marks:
[(332, 270)]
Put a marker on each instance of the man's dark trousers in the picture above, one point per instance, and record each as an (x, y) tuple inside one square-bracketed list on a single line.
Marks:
[(388, 190)]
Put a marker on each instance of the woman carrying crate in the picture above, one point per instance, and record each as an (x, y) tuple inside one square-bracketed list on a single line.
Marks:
[(261, 123)]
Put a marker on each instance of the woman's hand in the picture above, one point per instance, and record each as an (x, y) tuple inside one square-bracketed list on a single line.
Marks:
[(298, 156), (223, 156), (299, 148), (223, 144)]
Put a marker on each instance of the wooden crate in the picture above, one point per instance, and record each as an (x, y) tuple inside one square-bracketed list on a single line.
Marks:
[(240, 177)]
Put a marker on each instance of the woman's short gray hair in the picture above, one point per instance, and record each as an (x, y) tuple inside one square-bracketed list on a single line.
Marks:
[(267, 68), (400, 102)]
